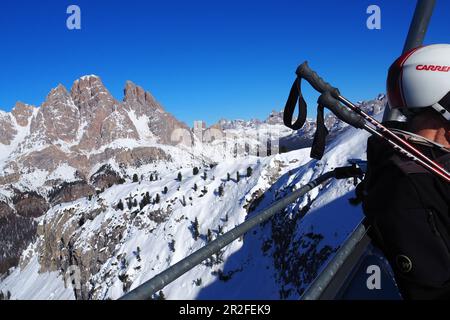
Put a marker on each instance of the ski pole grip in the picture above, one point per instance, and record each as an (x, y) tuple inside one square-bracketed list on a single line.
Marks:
[(353, 119), (305, 72)]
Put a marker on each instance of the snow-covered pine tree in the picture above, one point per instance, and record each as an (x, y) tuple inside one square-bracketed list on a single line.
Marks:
[(195, 232), (172, 245), (138, 254), (120, 205)]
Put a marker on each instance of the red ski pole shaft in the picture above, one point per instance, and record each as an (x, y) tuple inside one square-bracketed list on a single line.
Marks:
[(401, 145)]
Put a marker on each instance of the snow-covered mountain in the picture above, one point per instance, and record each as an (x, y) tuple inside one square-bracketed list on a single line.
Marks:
[(49, 154), (90, 191)]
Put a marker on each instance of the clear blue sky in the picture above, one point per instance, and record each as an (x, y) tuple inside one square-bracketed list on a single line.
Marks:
[(203, 59)]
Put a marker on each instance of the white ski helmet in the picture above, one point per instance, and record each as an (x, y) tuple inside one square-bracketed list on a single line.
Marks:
[(421, 79)]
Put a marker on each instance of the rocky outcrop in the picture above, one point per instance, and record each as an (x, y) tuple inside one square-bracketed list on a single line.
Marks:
[(142, 103), (71, 191), (141, 156), (23, 112), (58, 118), (117, 125), (62, 248), (29, 204), (91, 96), (7, 129), (47, 159), (105, 177), (95, 104)]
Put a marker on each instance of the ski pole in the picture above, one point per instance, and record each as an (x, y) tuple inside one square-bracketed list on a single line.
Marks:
[(384, 133), (331, 96)]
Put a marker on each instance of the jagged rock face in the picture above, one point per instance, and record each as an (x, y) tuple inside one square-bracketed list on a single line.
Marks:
[(9, 178), (95, 104), (71, 127), (90, 96), (105, 177), (141, 156), (117, 125), (142, 103), (103, 117), (7, 130), (58, 118), (47, 159), (30, 204), (62, 249), (23, 112), (140, 100), (72, 191)]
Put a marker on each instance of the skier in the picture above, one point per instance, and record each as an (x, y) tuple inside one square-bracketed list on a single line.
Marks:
[(406, 206)]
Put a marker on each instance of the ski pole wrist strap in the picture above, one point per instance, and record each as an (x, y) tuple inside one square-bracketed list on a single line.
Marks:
[(296, 96)]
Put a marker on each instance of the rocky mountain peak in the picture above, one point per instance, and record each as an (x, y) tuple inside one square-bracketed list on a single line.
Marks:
[(143, 104), (89, 93), (88, 83), (7, 130), (136, 95), (22, 112), (58, 95), (57, 118)]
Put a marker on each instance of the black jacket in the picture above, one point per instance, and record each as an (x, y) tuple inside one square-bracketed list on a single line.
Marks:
[(408, 210)]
